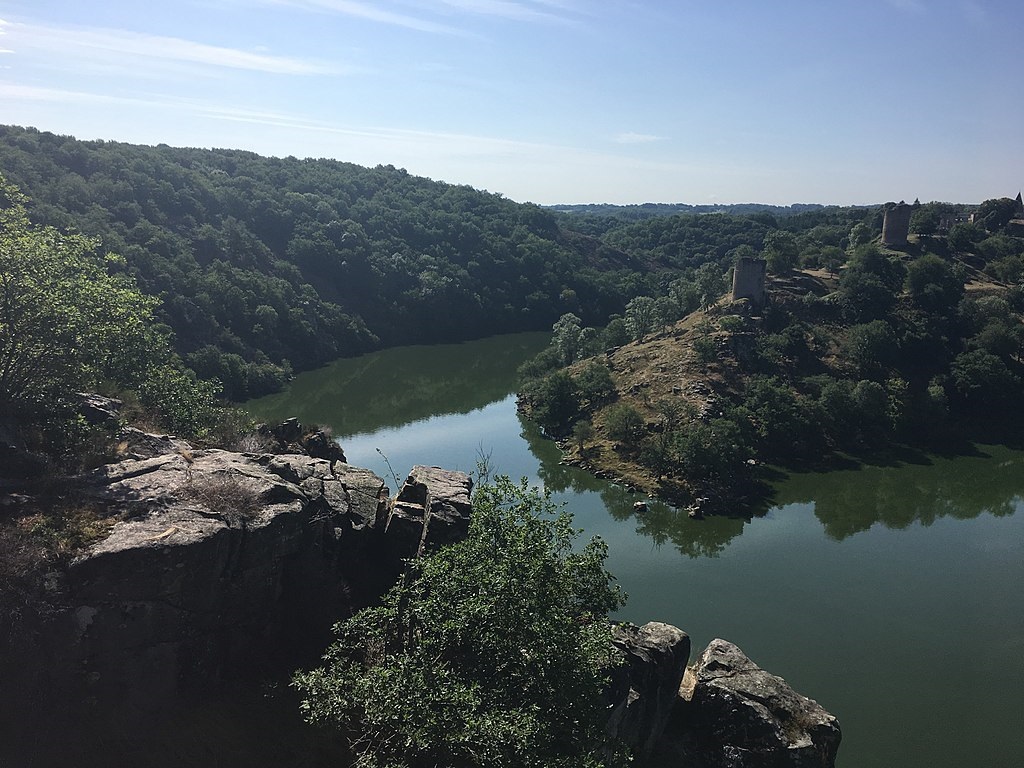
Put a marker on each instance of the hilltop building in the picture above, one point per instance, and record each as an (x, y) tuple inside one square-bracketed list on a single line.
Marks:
[(896, 224), (748, 278)]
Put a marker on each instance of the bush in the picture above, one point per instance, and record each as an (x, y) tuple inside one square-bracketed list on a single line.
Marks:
[(490, 652), (624, 423)]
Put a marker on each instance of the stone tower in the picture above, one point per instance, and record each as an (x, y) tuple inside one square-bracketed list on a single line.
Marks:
[(748, 281), (896, 225)]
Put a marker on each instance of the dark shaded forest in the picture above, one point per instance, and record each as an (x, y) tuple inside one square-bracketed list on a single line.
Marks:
[(265, 265)]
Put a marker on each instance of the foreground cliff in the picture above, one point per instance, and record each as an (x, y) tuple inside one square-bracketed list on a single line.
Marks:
[(224, 569)]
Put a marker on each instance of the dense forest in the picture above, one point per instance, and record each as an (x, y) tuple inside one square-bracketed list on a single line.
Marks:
[(258, 266), (266, 265)]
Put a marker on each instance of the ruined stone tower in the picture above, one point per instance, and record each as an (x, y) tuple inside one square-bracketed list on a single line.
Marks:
[(748, 281), (896, 225)]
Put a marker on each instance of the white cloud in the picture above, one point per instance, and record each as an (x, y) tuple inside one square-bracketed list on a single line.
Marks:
[(507, 9), (99, 44), (371, 12)]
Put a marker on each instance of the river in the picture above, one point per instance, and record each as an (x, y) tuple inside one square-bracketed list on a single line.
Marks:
[(893, 595)]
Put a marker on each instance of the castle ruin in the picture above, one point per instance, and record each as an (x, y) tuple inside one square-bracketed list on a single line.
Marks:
[(748, 278), (896, 224)]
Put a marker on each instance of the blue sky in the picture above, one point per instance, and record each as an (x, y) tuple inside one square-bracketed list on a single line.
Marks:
[(553, 101)]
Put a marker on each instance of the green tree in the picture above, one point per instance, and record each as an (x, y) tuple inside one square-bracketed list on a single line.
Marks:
[(962, 237), (66, 323), (709, 283), (995, 214), (780, 251), (582, 434), (624, 423), (712, 455), (870, 283), (594, 383), (934, 285), (491, 652), (555, 400), (984, 380), (870, 347), (567, 337), (640, 316), (832, 258)]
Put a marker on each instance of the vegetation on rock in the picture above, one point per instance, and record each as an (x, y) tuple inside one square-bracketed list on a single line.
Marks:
[(491, 651), (71, 321)]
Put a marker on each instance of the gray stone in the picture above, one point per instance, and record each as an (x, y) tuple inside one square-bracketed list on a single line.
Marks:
[(733, 714), (218, 561), (136, 444), (432, 509), (98, 409), (643, 690)]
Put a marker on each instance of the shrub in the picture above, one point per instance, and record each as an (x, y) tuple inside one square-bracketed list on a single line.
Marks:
[(490, 652), (624, 423)]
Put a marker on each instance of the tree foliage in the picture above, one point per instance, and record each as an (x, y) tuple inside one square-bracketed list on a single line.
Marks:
[(72, 321), (490, 652), (66, 323)]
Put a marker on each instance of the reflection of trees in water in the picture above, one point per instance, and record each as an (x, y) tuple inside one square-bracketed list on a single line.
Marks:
[(848, 502), (845, 501), (694, 538), (399, 386)]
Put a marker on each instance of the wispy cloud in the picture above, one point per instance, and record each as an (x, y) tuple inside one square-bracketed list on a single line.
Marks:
[(92, 42), (12, 92), (636, 138), (371, 12)]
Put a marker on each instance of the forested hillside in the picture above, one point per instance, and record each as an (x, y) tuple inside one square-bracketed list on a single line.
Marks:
[(865, 347), (267, 264)]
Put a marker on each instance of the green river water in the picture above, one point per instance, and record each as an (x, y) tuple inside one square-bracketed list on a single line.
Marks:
[(893, 595)]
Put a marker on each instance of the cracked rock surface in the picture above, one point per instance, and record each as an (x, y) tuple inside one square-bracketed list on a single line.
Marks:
[(733, 714), (219, 565)]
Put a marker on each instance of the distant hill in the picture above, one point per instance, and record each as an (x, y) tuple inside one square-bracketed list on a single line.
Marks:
[(640, 211)]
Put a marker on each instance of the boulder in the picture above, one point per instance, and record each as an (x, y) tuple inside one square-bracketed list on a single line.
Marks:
[(432, 509), (97, 409), (733, 714), (135, 444), (643, 690)]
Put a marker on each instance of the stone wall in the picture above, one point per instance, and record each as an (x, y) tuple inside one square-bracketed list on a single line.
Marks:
[(748, 281), (896, 224)]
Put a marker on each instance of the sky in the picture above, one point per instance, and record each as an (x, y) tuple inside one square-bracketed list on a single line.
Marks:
[(552, 101)]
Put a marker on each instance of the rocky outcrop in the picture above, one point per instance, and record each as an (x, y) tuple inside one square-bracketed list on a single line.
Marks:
[(224, 566), (291, 437), (643, 690), (431, 509), (220, 567), (218, 562), (733, 714)]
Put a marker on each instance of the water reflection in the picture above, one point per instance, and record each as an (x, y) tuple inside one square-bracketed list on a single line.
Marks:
[(850, 501), (661, 523), (397, 393), (398, 386)]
